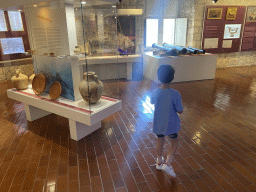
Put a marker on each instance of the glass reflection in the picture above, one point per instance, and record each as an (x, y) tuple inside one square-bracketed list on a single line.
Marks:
[(148, 107), (222, 101)]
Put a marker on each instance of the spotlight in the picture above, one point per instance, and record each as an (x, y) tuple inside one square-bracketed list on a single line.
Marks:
[(35, 5), (214, 1), (83, 2)]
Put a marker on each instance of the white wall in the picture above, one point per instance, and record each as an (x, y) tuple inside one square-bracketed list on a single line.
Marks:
[(161, 8), (71, 27)]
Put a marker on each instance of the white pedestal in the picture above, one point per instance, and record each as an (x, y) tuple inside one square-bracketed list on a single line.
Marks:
[(187, 67), (79, 130), (33, 113), (83, 119)]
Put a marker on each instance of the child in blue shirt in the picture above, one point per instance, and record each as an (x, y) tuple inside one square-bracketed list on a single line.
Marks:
[(166, 122)]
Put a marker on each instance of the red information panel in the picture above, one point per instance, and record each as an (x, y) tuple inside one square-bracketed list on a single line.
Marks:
[(223, 28), (249, 36)]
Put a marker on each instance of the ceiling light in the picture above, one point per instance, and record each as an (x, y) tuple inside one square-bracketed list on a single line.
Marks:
[(35, 5), (113, 6), (19, 10), (83, 2), (214, 1)]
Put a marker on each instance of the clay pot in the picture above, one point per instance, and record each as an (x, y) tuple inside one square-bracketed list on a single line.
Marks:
[(20, 81), (30, 79), (91, 90)]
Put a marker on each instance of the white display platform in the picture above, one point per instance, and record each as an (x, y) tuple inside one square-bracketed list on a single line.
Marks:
[(187, 67), (106, 67), (110, 67), (83, 119)]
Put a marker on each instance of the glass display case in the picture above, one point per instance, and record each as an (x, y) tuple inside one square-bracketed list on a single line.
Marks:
[(84, 50)]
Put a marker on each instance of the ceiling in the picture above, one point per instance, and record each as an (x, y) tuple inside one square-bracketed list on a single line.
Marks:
[(14, 5)]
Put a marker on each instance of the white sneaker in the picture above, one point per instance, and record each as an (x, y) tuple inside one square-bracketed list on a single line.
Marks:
[(169, 170), (159, 167)]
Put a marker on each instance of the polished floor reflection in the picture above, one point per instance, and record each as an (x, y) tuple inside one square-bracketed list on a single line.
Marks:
[(217, 149)]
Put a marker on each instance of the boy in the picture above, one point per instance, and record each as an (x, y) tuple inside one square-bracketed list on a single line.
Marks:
[(166, 121)]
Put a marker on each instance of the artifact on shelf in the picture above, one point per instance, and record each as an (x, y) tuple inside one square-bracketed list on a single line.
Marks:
[(39, 83), (31, 78), (77, 50), (20, 81), (55, 90), (91, 87), (52, 54), (168, 51), (181, 50)]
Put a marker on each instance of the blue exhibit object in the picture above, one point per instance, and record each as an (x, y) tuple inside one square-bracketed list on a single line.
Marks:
[(181, 50), (169, 51)]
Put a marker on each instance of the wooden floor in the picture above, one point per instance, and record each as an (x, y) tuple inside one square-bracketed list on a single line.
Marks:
[(217, 149)]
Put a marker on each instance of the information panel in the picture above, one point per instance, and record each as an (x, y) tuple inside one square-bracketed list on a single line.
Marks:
[(12, 45), (2, 22), (15, 21)]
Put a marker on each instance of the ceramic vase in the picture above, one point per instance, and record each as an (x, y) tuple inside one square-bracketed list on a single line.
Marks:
[(20, 81), (91, 88)]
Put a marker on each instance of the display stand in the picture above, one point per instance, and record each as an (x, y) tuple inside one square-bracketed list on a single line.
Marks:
[(82, 119), (187, 67)]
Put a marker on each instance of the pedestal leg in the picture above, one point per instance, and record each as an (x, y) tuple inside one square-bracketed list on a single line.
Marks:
[(79, 130), (33, 113), (129, 71)]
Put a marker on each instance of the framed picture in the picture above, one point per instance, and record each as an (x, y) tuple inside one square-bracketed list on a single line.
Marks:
[(214, 13), (232, 31), (251, 14), (231, 13)]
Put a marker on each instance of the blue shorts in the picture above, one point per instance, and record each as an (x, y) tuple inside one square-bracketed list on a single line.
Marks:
[(174, 135)]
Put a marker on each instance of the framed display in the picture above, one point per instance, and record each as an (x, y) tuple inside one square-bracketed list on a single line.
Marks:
[(251, 14), (214, 13), (231, 13), (232, 31)]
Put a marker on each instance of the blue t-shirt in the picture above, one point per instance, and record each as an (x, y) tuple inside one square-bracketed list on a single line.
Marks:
[(167, 103)]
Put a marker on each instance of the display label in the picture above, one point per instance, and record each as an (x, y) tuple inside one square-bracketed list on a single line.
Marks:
[(211, 43), (15, 21), (12, 45), (227, 44), (3, 26)]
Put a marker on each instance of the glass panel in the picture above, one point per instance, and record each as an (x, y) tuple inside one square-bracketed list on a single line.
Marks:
[(169, 30), (151, 32), (15, 21), (2, 22), (96, 24)]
